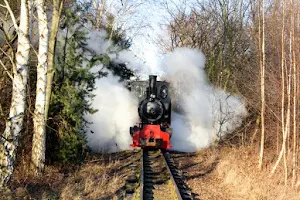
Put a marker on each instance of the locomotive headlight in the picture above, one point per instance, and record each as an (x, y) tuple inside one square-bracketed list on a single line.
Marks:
[(163, 92)]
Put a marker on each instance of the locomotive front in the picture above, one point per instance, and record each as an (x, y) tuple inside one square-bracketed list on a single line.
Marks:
[(154, 110)]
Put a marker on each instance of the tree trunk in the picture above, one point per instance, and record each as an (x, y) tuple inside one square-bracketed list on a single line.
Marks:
[(295, 94), (283, 126), (288, 122), (57, 9), (99, 9), (262, 81), (39, 135), (14, 125)]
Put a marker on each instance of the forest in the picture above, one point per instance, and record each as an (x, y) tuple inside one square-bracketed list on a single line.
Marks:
[(53, 53)]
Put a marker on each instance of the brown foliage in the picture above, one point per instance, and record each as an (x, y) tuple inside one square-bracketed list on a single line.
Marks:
[(227, 32)]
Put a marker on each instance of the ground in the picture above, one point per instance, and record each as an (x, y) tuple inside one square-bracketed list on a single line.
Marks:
[(214, 173), (102, 176), (232, 173)]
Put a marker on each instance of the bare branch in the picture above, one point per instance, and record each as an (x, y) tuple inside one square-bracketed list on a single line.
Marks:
[(11, 15), (6, 70), (8, 40), (11, 58), (1, 110), (34, 51)]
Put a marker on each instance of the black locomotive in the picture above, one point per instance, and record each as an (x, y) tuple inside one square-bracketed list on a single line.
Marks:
[(153, 129)]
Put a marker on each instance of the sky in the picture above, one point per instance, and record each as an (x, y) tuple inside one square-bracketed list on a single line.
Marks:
[(144, 22)]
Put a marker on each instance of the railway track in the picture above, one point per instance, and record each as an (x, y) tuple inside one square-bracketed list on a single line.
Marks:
[(160, 179)]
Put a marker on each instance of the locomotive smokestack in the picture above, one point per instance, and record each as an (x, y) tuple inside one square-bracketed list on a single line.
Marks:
[(152, 84)]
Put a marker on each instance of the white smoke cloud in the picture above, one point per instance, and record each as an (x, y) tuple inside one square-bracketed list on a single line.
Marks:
[(99, 44), (208, 112), (117, 108), (117, 112), (97, 41)]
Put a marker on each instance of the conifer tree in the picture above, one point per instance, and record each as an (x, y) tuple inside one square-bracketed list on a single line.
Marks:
[(74, 83)]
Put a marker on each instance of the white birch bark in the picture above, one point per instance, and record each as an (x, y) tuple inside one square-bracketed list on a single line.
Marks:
[(14, 124), (283, 124), (39, 135)]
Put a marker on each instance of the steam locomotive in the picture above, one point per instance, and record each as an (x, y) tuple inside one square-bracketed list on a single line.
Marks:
[(154, 127)]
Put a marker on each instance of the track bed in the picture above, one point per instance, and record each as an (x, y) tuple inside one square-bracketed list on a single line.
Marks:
[(160, 178)]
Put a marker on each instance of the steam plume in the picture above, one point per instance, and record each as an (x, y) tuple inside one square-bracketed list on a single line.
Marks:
[(205, 112), (117, 112), (117, 108), (201, 112)]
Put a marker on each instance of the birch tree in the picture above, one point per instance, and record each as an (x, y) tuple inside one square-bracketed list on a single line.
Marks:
[(39, 135), (14, 124), (283, 124)]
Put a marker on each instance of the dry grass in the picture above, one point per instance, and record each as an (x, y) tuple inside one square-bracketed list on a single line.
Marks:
[(227, 173), (232, 173), (239, 170), (100, 177), (94, 181)]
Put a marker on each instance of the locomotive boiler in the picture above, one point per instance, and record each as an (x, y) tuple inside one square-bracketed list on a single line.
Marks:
[(154, 127)]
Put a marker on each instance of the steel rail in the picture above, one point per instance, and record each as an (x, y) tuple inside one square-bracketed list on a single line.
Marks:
[(182, 191), (142, 177), (172, 177)]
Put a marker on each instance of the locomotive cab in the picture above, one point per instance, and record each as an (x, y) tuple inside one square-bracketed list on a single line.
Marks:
[(154, 110)]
